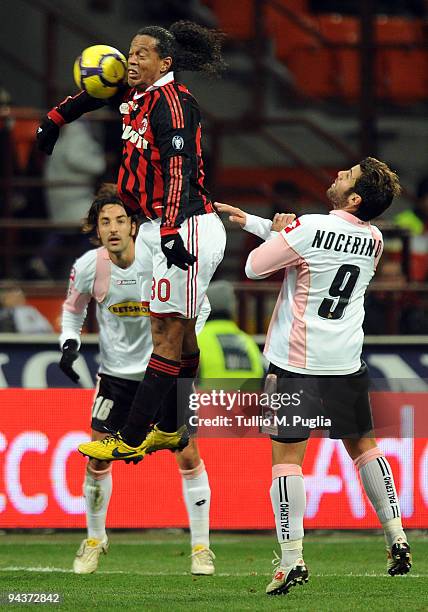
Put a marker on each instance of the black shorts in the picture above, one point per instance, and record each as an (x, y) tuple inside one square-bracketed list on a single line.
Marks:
[(339, 404), (113, 401)]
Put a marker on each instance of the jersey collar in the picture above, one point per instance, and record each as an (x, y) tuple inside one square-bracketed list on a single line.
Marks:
[(167, 78), (349, 217)]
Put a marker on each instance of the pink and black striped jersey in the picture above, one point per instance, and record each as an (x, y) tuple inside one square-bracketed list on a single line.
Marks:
[(329, 260)]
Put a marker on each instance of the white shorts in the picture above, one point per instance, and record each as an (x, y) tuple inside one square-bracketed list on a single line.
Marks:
[(174, 291)]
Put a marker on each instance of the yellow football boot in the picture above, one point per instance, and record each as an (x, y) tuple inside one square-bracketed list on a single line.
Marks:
[(113, 448), (159, 440)]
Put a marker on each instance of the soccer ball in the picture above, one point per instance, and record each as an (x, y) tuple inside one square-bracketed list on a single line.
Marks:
[(99, 70)]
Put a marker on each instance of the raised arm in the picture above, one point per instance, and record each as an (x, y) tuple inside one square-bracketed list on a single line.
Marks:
[(66, 111)]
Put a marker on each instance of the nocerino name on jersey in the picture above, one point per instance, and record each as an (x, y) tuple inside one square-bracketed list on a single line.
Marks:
[(348, 244), (130, 134), (130, 309)]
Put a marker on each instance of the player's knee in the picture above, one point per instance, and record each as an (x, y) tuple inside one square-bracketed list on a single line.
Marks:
[(288, 451), (359, 446)]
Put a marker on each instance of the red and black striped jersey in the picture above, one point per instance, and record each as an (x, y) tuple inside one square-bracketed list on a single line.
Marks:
[(162, 170), (162, 167)]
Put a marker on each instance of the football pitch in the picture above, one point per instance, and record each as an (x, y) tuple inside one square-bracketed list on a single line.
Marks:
[(150, 571)]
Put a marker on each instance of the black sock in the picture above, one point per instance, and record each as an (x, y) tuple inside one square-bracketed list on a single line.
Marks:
[(161, 376), (176, 404)]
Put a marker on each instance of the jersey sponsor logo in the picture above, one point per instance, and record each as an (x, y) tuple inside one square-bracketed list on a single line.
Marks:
[(177, 142), (134, 137), (126, 281), (292, 226), (130, 309)]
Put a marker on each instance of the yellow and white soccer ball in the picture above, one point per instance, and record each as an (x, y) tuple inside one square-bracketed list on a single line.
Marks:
[(100, 70)]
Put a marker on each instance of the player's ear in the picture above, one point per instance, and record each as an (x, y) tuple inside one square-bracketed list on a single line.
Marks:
[(133, 229), (166, 64), (354, 200)]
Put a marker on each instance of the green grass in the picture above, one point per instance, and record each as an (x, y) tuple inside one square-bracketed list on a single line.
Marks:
[(148, 571)]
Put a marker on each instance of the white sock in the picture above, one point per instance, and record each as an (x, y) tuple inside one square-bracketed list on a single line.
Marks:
[(378, 481), (393, 531), (97, 490), (288, 498), (197, 496)]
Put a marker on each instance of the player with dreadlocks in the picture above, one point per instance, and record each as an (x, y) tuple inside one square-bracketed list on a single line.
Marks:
[(162, 175)]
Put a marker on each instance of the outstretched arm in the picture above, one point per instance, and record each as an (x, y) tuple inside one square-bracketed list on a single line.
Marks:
[(263, 228), (66, 111)]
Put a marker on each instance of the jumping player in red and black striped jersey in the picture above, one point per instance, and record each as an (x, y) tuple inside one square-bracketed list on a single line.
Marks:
[(161, 173)]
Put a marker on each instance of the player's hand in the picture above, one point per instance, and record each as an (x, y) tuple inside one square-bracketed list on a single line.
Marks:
[(236, 215), (176, 254), (69, 355), (47, 135), (281, 220)]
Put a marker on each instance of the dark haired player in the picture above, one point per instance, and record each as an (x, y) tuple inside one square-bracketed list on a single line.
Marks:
[(162, 175), (314, 344), (114, 276)]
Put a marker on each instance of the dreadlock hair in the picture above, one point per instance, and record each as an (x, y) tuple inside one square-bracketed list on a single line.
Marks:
[(107, 194), (376, 186), (191, 46)]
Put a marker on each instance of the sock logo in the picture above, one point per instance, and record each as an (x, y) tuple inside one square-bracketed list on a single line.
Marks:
[(389, 486), (390, 490), (284, 520), (201, 502), (284, 508)]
